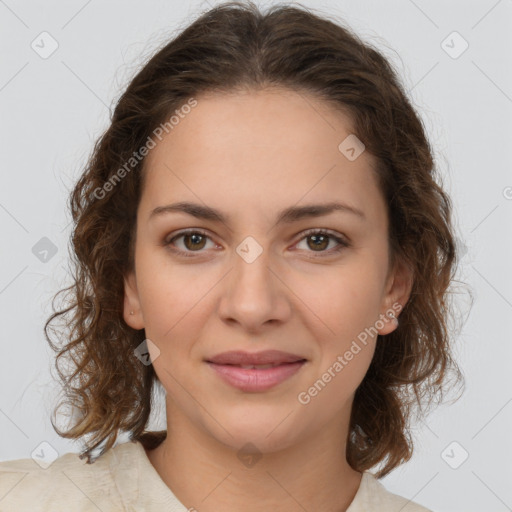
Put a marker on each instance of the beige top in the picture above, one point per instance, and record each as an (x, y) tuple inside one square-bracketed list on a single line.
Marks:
[(123, 479)]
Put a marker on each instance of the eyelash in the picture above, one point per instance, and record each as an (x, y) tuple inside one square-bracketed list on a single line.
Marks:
[(342, 243)]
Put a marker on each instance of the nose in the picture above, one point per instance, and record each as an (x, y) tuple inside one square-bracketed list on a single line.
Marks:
[(254, 294)]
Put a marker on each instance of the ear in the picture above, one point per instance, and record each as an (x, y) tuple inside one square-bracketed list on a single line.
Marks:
[(398, 291), (132, 313)]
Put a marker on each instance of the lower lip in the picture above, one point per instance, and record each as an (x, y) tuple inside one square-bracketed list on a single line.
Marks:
[(253, 379)]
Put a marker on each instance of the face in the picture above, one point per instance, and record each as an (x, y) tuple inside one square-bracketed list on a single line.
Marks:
[(314, 285)]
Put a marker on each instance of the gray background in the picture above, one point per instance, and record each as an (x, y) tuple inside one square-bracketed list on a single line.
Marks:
[(53, 109)]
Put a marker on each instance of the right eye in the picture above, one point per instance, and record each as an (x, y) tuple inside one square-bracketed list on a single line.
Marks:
[(193, 241)]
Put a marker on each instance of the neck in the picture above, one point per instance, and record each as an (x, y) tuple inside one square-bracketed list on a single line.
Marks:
[(205, 474)]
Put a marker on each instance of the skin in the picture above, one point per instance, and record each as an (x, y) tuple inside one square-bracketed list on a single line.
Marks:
[(251, 155)]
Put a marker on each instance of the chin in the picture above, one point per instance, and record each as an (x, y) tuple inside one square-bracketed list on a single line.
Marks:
[(267, 432)]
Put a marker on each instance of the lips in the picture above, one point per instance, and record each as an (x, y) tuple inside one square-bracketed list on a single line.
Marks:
[(258, 371), (264, 359)]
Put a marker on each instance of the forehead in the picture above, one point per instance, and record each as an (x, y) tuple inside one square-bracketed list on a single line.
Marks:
[(260, 149)]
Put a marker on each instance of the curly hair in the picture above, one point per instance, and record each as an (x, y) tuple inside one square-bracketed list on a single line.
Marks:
[(233, 47)]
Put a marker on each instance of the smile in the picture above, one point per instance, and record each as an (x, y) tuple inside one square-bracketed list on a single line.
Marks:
[(255, 378)]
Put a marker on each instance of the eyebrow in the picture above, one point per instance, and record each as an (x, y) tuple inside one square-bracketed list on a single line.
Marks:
[(286, 216)]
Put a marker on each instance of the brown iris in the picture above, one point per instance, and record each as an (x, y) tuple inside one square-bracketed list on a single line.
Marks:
[(194, 237), (322, 238)]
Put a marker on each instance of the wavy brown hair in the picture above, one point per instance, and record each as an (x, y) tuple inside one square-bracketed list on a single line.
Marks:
[(235, 47)]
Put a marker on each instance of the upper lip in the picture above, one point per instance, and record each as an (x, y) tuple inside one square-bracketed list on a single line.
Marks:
[(247, 358)]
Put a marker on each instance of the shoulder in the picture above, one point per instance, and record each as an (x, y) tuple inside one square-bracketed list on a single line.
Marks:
[(69, 483), (372, 495)]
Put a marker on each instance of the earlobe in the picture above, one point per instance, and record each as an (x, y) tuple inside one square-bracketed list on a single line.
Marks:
[(132, 313), (389, 322)]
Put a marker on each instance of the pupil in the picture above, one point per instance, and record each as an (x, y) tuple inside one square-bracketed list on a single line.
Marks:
[(196, 239), (319, 238)]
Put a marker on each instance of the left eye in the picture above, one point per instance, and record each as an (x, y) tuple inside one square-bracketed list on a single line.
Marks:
[(320, 240), (194, 241)]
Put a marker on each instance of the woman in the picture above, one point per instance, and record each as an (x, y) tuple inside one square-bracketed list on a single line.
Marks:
[(260, 230)]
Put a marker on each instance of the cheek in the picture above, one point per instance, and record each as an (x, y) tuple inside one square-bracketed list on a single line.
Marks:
[(342, 301), (176, 304), (169, 293), (333, 390), (345, 340)]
